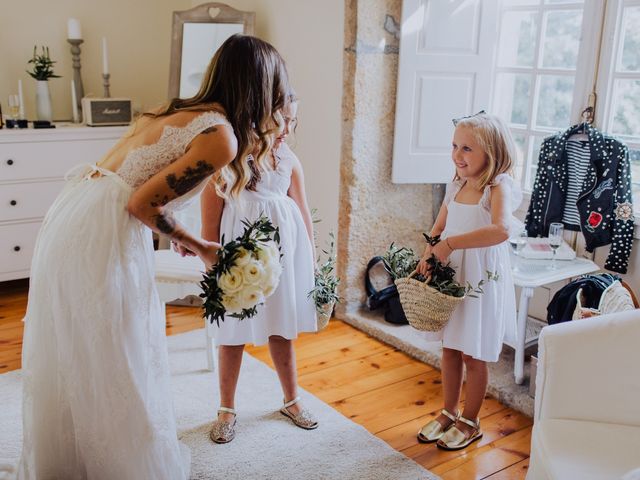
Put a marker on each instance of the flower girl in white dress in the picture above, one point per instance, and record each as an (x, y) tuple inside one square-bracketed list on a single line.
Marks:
[(97, 402), (276, 189)]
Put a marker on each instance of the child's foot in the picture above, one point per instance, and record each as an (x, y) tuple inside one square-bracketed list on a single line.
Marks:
[(223, 429), (299, 415), (461, 435), (433, 430)]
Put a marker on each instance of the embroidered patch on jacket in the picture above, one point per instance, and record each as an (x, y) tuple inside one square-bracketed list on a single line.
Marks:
[(593, 221), (624, 211), (606, 185)]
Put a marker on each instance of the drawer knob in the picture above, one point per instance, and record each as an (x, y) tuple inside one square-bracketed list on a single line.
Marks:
[(9, 162), (16, 248), (13, 203)]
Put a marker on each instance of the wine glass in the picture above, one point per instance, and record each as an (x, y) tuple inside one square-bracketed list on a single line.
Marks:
[(14, 106), (518, 241), (556, 230)]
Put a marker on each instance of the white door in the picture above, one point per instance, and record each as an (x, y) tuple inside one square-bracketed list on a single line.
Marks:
[(446, 58)]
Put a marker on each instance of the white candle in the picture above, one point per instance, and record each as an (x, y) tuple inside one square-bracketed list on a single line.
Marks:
[(74, 102), (105, 61), (73, 29), (22, 116)]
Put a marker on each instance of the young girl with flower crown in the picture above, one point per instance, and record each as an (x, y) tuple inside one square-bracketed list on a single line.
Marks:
[(474, 223)]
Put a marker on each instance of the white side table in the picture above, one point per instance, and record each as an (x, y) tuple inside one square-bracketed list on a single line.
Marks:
[(177, 277), (529, 275)]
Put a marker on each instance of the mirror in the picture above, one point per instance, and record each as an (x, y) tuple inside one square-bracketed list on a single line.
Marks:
[(197, 33)]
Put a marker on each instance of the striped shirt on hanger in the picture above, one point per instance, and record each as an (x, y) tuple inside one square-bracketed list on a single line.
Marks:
[(578, 155)]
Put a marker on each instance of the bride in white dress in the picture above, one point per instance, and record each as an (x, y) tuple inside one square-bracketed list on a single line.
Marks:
[(97, 402)]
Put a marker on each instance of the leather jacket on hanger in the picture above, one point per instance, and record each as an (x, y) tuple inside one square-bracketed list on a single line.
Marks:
[(605, 200)]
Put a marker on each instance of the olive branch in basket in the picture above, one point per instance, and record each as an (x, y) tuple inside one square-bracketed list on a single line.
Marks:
[(442, 276)]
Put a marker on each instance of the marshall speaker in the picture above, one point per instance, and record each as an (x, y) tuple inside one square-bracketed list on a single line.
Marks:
[(106, 111)]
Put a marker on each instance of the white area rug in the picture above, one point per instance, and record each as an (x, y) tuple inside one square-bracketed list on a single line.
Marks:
[(267, 445), (502, 385)]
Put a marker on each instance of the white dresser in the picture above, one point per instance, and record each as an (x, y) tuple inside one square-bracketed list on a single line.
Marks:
[(32, 168)]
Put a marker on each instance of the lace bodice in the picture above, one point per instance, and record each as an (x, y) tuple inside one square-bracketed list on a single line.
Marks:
[(144, 162)]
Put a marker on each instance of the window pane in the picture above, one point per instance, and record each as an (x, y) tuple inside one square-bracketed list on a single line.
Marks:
[(563, 1), (535, 143), (517, 39), (634, 155), (630, 60), (521, 148), (562, 39), (626, 109), (518, 3), (513, 91), (554, 102)]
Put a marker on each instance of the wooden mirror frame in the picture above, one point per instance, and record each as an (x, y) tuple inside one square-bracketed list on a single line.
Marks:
[(201, 14)]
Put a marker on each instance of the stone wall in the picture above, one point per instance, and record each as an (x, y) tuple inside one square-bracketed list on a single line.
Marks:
[(373, 211)]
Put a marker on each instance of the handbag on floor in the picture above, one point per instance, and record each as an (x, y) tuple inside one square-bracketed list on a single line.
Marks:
[(384, 294)]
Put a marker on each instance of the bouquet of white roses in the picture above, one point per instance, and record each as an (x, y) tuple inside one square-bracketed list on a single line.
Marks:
[(247, 272)]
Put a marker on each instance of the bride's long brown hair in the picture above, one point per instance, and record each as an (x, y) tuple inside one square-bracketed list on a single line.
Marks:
[(248, 78)]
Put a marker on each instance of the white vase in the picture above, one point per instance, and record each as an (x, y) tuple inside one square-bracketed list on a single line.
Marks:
[(43, 101)]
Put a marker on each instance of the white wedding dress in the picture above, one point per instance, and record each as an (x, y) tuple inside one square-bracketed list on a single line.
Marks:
[(97, 401)]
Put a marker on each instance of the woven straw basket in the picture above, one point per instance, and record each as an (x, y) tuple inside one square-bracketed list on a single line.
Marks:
[(425, 307), (323, 316)]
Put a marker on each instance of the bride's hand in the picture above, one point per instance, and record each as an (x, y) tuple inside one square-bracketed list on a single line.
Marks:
[(209, 253), (182, 250)]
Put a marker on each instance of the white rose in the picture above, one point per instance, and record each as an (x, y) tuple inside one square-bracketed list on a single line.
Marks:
[(271, 279), (244, 256), (231, 304), (250, 296), (231, 281), (253, 272), (268, 252)]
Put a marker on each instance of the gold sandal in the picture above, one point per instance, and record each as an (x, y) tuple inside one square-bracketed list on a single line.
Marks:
[(304, 419), (223, 431), (456, 439), (432, 431)]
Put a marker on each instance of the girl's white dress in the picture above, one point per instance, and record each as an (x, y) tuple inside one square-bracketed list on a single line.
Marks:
[(479, 326), (288, 311), (97, 402)]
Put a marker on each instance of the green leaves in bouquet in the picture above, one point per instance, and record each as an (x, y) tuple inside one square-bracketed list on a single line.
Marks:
[(42, 65), (400, 262)]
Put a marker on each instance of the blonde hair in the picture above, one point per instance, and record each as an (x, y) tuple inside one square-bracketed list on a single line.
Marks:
[(495, 139)]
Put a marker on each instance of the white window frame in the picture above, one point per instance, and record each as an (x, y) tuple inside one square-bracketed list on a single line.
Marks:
[(611, 51)]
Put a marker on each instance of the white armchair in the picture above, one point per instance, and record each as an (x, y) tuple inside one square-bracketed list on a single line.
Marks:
[(587, 407)]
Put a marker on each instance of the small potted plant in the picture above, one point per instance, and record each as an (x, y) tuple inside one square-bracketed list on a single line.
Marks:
[(42, 71), (325, 291)]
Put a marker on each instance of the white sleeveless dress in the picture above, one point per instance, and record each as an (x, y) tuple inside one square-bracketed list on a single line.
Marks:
[(288, 311), (479, 326), (97, 401)]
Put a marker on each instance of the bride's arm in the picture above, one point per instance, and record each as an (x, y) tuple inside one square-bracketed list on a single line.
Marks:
[(208, 153)]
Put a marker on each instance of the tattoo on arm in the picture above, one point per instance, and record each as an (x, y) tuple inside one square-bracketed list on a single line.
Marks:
[(160, 202), (191, 177), (165, 223)]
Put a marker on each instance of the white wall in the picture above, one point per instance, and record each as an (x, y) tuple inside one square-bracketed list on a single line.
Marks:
[(309, 34)]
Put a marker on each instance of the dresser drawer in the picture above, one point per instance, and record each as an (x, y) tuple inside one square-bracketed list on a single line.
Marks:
[(25, 161), (16, 246), (27, 200)]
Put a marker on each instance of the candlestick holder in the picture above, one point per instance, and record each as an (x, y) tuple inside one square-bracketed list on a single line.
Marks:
[(77, 78), (105, 85)]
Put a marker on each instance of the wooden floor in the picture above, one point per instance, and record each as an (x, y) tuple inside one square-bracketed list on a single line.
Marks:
[(382, 389)]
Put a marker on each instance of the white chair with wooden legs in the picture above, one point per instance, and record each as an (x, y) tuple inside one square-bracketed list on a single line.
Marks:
[(176, 278)]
